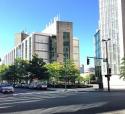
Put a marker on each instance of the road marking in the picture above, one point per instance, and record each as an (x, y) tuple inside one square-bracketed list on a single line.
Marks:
[(5, 107), (18, 102), (25, 93), (20, 99), (62, 109)]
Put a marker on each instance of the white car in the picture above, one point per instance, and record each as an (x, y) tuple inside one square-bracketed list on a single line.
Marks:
[(6, 88), (42, 86)]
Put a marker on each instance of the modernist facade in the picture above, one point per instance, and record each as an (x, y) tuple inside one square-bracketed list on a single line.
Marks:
[(76, 54), (54, 43), (98, 60), (111, 27)]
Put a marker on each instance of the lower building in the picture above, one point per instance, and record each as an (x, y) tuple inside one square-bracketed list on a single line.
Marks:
[(48, 45)]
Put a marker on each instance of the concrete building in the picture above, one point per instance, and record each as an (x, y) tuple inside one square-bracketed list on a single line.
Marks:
[(111, 26), (54, 43), (35, 43), (19, 37), (82, 69), (64, 38), (76, 54)]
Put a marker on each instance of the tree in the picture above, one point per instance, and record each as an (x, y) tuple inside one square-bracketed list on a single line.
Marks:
[(80, 79), (15, 72), (70, 71), (21, 69), (122, 69), (10, 75), (37, 68), (3, 69), (54, 71)]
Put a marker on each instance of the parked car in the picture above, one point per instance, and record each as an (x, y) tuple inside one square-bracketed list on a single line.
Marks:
[(6, 88), (33, 85), (38, 85), (42, 85)]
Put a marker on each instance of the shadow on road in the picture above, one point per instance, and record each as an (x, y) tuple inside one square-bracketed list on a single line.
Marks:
[(74, 103)]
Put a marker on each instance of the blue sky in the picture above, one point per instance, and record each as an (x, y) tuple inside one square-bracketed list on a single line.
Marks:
[(33, 15)]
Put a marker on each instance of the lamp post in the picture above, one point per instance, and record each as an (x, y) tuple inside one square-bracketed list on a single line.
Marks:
[(108, 75)]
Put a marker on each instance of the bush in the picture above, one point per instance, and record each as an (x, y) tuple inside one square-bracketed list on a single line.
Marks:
[(69, 86)]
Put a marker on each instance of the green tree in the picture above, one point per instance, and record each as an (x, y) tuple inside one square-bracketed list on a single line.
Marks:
[(15, 72), (54, 71), (21, 69), (37, 68), (3, 69), (122, 69), (70, 71), (10, 75), (80, 79)]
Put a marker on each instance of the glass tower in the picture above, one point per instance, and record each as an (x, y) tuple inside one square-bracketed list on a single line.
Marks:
[(109, 29)]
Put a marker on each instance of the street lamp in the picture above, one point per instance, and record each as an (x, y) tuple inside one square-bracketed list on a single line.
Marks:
[(108, 73)]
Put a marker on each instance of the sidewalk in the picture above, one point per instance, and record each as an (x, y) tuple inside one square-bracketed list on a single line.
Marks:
[(91, 89), (94, 88)]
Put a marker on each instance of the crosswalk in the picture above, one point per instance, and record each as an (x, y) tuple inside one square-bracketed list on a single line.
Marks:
[(10, 101)]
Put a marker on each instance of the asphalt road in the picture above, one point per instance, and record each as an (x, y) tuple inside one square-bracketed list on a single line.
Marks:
[(62, 102)]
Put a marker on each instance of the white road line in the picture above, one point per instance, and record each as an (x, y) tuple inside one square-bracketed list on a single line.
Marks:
[(21, 99), (29, 98), (5, 107), (18, 102)]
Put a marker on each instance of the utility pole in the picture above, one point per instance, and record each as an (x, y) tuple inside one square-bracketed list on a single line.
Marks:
[(108, 73)]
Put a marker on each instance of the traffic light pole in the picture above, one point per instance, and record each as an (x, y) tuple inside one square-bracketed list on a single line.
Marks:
[(108, 74), (106, 60)]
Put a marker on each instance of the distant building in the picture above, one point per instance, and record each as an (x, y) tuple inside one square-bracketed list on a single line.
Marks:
[(54, 43), (81, 69), (89, 70)]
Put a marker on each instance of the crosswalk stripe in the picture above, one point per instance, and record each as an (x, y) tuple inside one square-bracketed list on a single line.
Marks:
[(21, 99), (18, 102), (5, 107), (27, 98)]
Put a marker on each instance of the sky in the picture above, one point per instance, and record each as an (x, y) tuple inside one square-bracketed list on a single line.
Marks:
[(33, 15)]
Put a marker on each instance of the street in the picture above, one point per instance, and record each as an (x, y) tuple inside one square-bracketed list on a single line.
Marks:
[(62, 102)]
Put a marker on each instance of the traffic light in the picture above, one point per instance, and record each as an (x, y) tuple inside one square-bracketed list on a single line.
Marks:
[(109, 71), (87, 61)]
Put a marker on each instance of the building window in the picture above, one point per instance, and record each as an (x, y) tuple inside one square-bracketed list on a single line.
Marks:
[(66, 45), (22, 50), (30, 49), (26, 49), (53, 48)]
